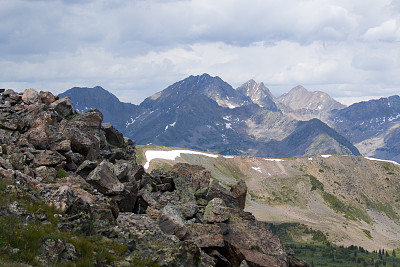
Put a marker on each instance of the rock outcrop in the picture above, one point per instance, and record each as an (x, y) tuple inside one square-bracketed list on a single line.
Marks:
[(87, 171)]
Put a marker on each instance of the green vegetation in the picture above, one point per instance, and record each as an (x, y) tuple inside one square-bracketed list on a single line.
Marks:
[(317, 251), (367, 233), (389, 168), (3, 149), (338, 256), (385, 208), (296, 232), (349, 211), (69, 117), (61, 173), (22, 242), (286, 195), (165, 166), (253, 195), (315, 183)]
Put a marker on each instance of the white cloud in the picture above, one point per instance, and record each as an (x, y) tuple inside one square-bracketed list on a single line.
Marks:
[(388, 31), (135, 48)]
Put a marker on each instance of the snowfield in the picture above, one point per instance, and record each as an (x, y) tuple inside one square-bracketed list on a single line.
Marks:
[(384, 160), (170, 155)]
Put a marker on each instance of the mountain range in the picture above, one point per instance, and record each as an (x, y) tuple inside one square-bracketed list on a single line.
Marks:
[(206, 113)]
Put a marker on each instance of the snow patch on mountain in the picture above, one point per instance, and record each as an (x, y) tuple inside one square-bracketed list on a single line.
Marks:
[(171, 155), (257, 169), (383, 160)]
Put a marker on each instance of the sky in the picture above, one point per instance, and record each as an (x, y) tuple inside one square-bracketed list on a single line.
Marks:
[(348, 49)]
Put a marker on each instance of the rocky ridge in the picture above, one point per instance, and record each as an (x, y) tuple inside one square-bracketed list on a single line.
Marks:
[(86, 170)]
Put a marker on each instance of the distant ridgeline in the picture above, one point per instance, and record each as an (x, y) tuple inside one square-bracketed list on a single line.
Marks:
[(206, 113)]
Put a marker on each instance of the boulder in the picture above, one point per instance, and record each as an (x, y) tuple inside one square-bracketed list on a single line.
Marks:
[(121, 170), (83, 130), (47, 136), (86, 167), (46, 173), (239, 191), (30, 96), (251, 241), (216, 211), (104, 180), (150, 242), (48, 158), (216, 190), (63, 107), (205, 235), (126, 200), (46, 97), (197, 177), (113, 137), (171, 221), (189, 209), (86, 211)]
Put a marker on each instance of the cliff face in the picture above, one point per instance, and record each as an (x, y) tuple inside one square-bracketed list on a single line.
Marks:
[(70, 179)]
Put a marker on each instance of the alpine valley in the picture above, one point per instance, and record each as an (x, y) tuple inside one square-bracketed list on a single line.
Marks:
[(206, 113)]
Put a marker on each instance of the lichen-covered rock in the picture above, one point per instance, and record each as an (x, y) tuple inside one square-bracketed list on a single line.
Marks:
[(257, 245), (126, 200), (216, 211), (104, 180), (197, 177), (153, 245), (63, 107), (171, 221), (216, 190), (47, 97), (83, 130), (205, 235), (48, 158), (46, 173), (30, 96), (86, 167), (189, 209), (239, 191)]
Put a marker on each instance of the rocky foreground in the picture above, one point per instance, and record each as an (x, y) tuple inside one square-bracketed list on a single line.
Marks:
[(87, 172)]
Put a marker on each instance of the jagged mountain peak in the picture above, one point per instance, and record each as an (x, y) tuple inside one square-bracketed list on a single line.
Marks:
[(212, 87), (259, 94)]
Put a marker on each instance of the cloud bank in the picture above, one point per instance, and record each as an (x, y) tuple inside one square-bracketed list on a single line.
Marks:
[(136, 48)]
